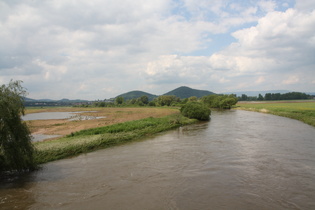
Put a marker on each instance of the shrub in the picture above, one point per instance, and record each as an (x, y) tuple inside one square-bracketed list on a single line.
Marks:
[(196, 110)]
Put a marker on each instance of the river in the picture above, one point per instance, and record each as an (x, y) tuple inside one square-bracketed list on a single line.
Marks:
[(238, 160)]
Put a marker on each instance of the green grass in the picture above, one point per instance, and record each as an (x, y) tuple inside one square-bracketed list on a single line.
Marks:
[(103, 137), (302, 110)]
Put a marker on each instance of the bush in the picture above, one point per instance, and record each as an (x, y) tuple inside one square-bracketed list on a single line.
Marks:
[(196, 110)]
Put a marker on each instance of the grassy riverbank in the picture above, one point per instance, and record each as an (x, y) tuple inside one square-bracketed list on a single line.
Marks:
[(103, 117), (107, 136), (299, 110)]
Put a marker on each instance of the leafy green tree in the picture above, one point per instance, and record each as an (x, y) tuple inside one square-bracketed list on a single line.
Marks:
[(268, 96), (151, 103), (260, 97), (16, 148), (219, 101), (209, 100), (166, 100), (144, 99), (119, 100), (196, 110), (244, 97), (193, 98)]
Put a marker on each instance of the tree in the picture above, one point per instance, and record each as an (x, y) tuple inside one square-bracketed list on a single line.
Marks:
[(244, 97), (119, 100), (193, 98), (219, 101), (196, 110), (166, 100), (268, 96), (260, 97), (16, 148), (144, 99)]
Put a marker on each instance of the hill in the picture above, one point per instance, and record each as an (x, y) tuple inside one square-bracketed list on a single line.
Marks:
[(186, 92), (136, 94)]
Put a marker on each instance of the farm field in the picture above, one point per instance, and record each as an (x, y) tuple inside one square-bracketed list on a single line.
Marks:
[(299, 110)]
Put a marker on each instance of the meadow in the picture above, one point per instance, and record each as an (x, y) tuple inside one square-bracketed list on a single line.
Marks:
[(299, 110)]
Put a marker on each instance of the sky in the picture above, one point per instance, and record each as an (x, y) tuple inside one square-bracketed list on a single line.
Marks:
[(98, 49)]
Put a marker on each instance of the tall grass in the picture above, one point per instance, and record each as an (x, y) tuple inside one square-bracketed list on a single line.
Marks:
[(303, 111), (103, 137)]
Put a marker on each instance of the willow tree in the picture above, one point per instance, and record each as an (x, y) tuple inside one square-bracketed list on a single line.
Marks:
[(16, 149)]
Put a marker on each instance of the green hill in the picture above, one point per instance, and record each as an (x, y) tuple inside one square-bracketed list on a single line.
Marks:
[(137, 94), (186, 92)]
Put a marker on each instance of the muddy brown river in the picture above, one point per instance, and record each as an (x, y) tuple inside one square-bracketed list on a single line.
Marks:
[(238, 160)]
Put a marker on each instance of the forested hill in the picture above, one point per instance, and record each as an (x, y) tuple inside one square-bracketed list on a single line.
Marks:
[(137, 94), (181, 92), (186, 92)]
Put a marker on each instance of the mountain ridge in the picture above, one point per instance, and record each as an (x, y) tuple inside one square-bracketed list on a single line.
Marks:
[(181, 92), (186, 92), (136, 94)]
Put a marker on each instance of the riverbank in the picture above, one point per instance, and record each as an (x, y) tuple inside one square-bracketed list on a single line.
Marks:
[(106, 136), (100, 117), (303, 110)]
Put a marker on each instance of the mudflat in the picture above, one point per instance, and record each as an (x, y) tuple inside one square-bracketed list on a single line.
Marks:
[(105, 116)]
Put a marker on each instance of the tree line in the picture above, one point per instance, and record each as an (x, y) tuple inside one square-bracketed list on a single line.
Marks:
[(211, 101), (275, 97)]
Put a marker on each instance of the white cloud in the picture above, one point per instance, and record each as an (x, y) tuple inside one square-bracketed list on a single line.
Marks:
[(260, 80), (293, 79), (95, 49), (279, 45), (305, 5), (267, 6)]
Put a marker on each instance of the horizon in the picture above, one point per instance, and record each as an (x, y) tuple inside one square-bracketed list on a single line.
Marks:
[(238, 93), (100, 49)]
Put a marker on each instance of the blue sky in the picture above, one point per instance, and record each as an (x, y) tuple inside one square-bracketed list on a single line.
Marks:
[(101, 48)]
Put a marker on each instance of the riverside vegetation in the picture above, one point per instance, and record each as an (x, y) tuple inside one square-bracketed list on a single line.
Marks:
[(299, 110), (193, 110), (103, 137)]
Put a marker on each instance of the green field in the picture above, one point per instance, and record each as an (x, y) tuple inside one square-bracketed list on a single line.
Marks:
[(299, 110)]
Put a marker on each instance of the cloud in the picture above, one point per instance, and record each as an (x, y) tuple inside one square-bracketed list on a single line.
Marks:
[(281, 44), (267, 6), (291, 80), (305, 5), (99, 49), (260, 80)]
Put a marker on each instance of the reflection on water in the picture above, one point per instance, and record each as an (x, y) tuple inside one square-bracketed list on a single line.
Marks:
[(238, 160)]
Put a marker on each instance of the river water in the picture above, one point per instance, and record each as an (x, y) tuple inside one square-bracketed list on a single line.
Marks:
[(238, 160)]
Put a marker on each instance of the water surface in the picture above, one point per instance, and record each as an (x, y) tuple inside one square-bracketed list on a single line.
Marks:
[(238, 160), (48, 116)]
